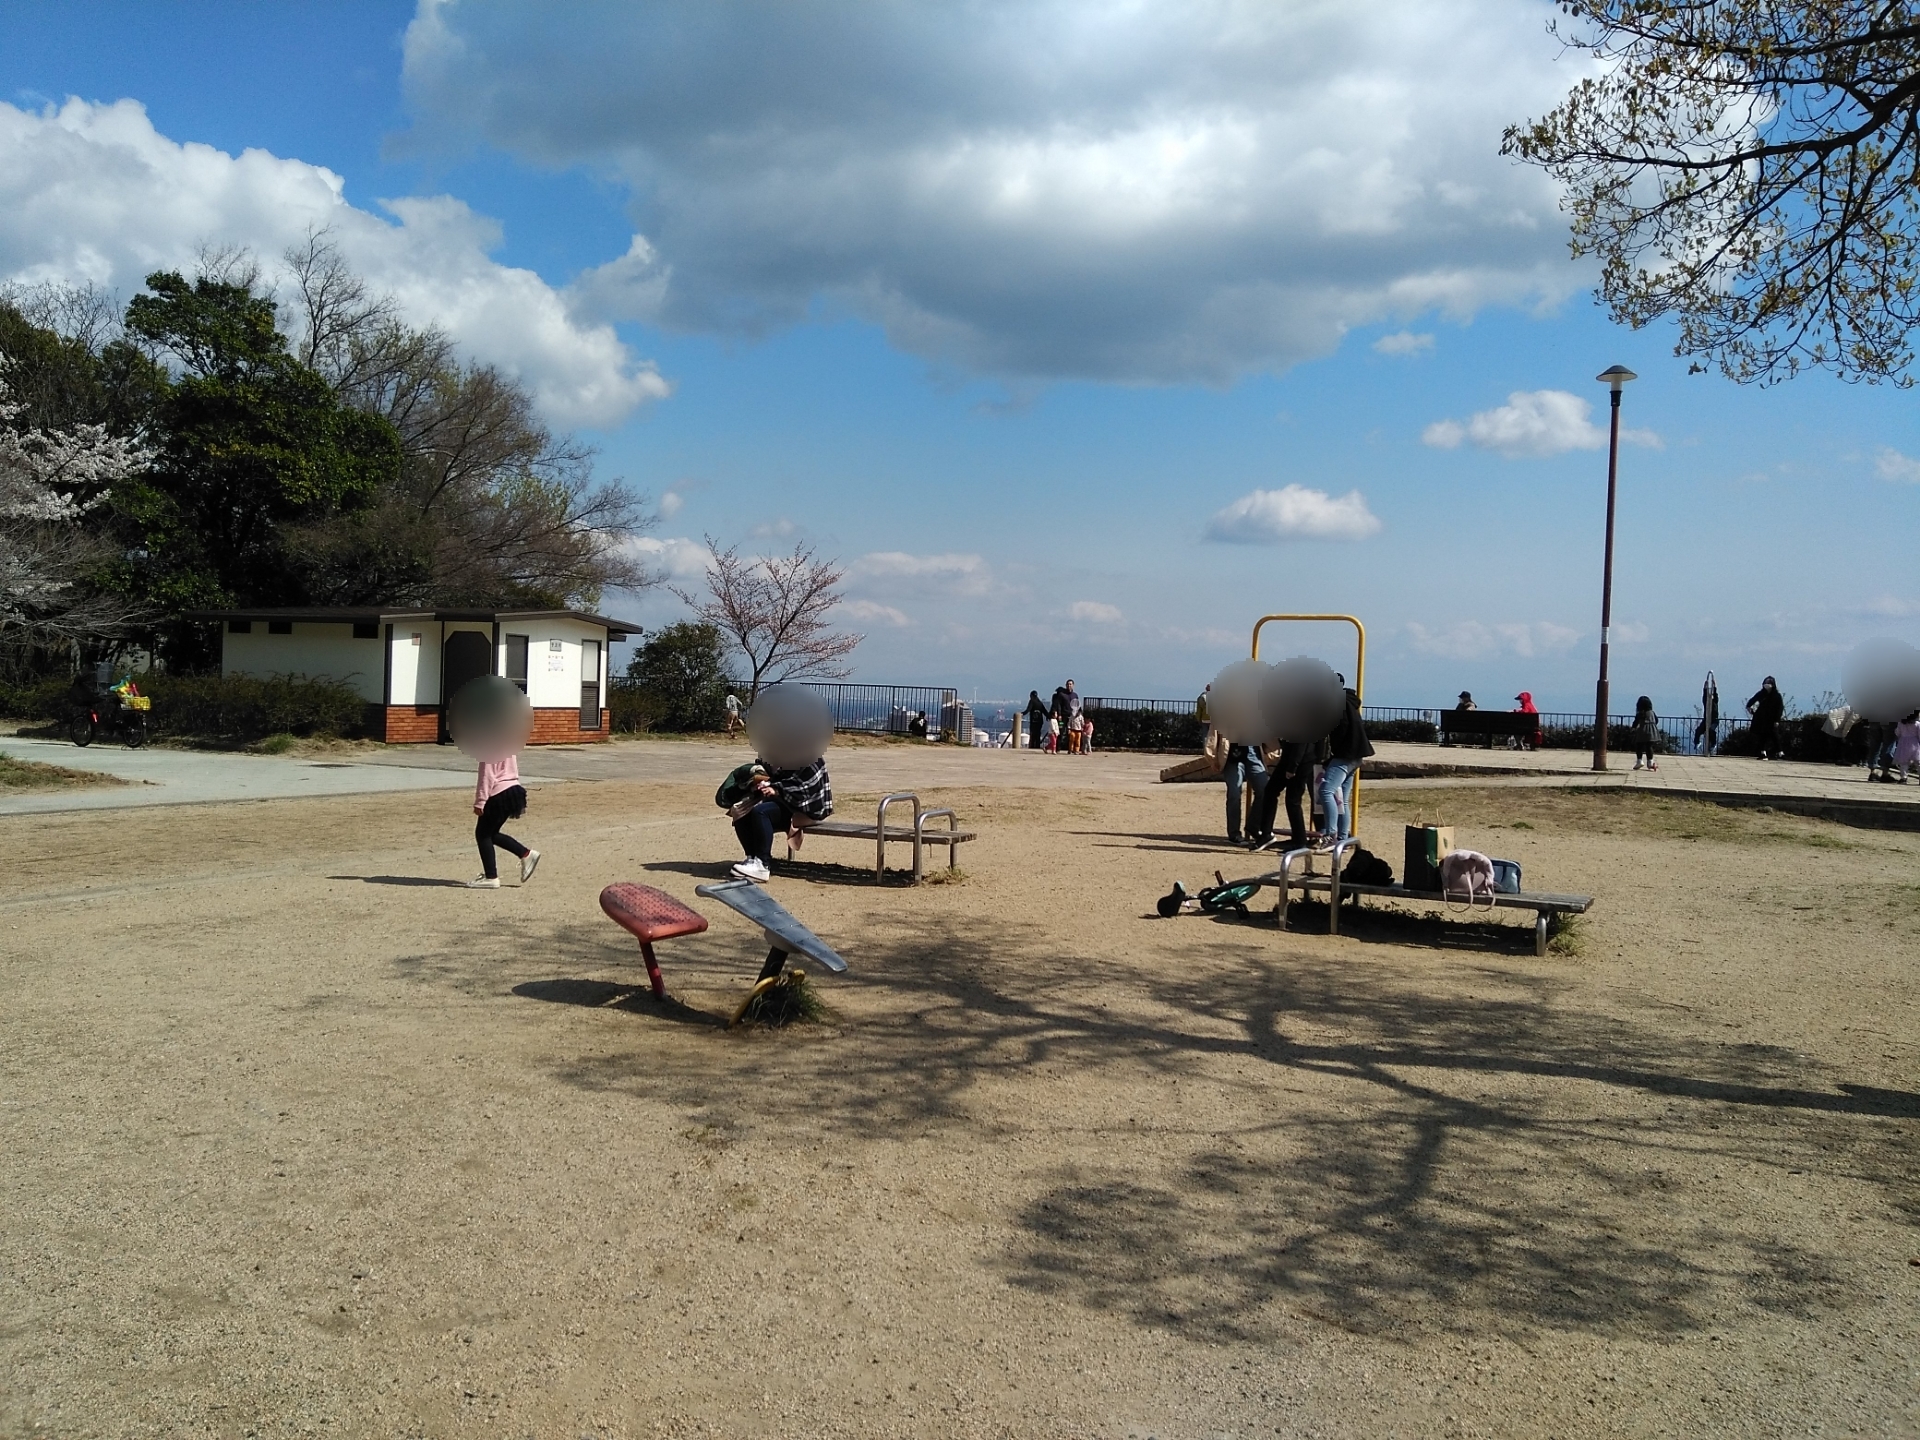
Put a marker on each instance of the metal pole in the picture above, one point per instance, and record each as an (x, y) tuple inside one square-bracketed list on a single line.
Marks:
[(1606, 592)]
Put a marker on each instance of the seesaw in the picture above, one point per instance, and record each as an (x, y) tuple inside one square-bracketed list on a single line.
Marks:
[(650, 914)]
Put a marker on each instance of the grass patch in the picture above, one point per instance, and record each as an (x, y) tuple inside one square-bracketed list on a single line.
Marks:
[(789, 1001), (1592, 810), (1566, 934), (275, 744), (946, 875), (33, 775)]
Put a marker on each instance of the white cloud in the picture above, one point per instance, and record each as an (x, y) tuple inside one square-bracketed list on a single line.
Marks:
[(1533, 423), (950, 574), (872, 611), (677, 558), (774, 530), (1095, 612), (671, 503), (1472, 640), (95, 193), (1069, 188), (1890, 464), (1265, 517), (1404, 343)]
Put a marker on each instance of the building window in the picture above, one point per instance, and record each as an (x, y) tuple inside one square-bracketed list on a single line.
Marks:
[(239, 627), (279, 627), (517, 661), (366, 629)]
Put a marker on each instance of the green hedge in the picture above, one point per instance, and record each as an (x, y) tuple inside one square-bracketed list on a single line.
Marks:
[(1144, 730), (215, 707)]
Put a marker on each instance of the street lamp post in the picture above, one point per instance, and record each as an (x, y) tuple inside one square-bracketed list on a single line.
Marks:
[(1614, 377)]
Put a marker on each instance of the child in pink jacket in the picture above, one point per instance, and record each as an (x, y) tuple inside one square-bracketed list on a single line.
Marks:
[(498, 796)]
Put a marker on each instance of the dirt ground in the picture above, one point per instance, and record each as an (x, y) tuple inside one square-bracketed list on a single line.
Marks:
[(297, 1139)]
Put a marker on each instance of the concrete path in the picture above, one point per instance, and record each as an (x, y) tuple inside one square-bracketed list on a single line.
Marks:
[(194, 777)]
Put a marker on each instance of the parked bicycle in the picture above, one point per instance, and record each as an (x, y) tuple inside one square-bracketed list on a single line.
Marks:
[(119, 712)]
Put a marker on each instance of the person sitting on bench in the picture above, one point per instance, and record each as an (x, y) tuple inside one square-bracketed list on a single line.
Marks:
[(788, 800)]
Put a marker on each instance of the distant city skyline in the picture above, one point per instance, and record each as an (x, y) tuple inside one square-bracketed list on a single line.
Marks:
[(1083, 338)]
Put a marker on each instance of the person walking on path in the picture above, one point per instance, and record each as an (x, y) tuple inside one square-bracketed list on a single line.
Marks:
[(498, 796), (1244, 768), (1347, 746), (1906, 746), (1766, 706), (1036, 717), (788, 800), (1646, 731)]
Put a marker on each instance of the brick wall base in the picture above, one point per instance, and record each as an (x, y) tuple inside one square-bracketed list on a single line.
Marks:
[(420, 725)]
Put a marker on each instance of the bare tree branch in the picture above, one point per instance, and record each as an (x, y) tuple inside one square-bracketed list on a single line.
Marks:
[(776, 610), (1750, 168)]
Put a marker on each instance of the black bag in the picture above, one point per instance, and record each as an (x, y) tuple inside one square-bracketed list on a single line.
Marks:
[(1363, 867)]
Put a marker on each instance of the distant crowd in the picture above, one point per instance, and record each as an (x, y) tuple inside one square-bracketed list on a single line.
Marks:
[(1060, 725)]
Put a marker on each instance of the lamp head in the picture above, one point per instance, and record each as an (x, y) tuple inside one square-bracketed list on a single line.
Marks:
[(1614, 376)]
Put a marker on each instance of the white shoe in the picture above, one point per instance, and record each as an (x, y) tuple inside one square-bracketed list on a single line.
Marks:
[(753, 869), (529, 863), (1636, 765), (483, 882)]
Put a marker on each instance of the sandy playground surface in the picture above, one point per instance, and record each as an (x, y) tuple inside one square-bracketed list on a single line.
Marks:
[(296, 1139)]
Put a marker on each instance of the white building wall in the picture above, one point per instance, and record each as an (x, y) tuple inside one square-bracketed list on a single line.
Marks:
[(315, 650), (416, 662), (553, 660)]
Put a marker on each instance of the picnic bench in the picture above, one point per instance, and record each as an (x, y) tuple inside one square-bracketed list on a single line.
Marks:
[(1490, 723), (880, 832), (1544, 905)]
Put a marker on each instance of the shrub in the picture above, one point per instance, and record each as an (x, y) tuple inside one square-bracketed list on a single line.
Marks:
[(1419, 732), (1580, 737), (245, 707), (36, 699), (1115, 729)]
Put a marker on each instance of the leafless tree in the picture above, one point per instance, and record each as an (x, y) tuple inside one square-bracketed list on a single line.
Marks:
[(1748, 167), (776, 609)]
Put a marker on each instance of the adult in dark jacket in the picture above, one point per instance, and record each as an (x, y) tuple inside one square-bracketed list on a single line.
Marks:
[(1347, 746), (1244, 766), (1766, 705), (1036, 713)]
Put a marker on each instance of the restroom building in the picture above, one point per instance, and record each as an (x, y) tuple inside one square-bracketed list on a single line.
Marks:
[(406, 664)]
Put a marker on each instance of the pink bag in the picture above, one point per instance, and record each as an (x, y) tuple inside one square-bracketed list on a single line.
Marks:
[(1467, 875)]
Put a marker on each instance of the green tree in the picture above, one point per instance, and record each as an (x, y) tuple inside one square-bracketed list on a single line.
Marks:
[(682, 671), (251, 448)]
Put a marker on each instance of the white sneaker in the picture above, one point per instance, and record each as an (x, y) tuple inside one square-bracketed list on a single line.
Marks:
[(529, 863), (1636, 765), (752, 869), (483, 882)]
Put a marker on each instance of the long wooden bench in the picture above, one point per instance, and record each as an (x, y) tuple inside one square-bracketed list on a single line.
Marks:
[(1490, 723), (918, 834), (1336, 888)]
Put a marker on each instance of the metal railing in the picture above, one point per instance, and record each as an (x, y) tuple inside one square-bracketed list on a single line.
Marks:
[(895, 709), (1563, 725)]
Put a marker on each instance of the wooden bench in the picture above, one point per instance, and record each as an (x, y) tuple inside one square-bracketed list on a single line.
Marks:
[(1490, 723), (1544, 906), (918, 834)]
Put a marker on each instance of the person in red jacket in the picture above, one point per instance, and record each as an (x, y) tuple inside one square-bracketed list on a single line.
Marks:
[(1525, 701)]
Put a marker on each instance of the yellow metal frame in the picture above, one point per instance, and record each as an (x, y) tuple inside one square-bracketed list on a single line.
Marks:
[(1359, 672)]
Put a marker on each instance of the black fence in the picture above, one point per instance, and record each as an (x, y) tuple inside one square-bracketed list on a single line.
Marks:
[(897, 709)]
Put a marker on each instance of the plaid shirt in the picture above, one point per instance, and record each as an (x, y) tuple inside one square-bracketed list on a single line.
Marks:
[(806, 791)]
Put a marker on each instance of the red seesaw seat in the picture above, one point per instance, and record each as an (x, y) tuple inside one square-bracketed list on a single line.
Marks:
[(650, 915)]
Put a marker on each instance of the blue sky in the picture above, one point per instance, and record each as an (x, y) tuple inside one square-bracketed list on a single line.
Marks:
[(1032, 322)]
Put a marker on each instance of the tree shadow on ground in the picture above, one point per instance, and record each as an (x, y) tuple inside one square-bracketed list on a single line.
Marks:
[(608, 995), (1387, 1150)]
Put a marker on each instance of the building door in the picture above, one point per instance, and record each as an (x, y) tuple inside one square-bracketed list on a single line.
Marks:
[(468, 655), (589, 684)]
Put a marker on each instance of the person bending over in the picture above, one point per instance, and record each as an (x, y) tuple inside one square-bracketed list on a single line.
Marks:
[(1291, 769), (788, 800), (1347, 746)]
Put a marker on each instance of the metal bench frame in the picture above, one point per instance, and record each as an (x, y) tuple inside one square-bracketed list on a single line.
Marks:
[(953, 837), (1544, 906)]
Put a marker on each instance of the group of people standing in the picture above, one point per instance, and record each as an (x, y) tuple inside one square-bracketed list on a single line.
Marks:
[(1258, 776), (1061, 725)]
